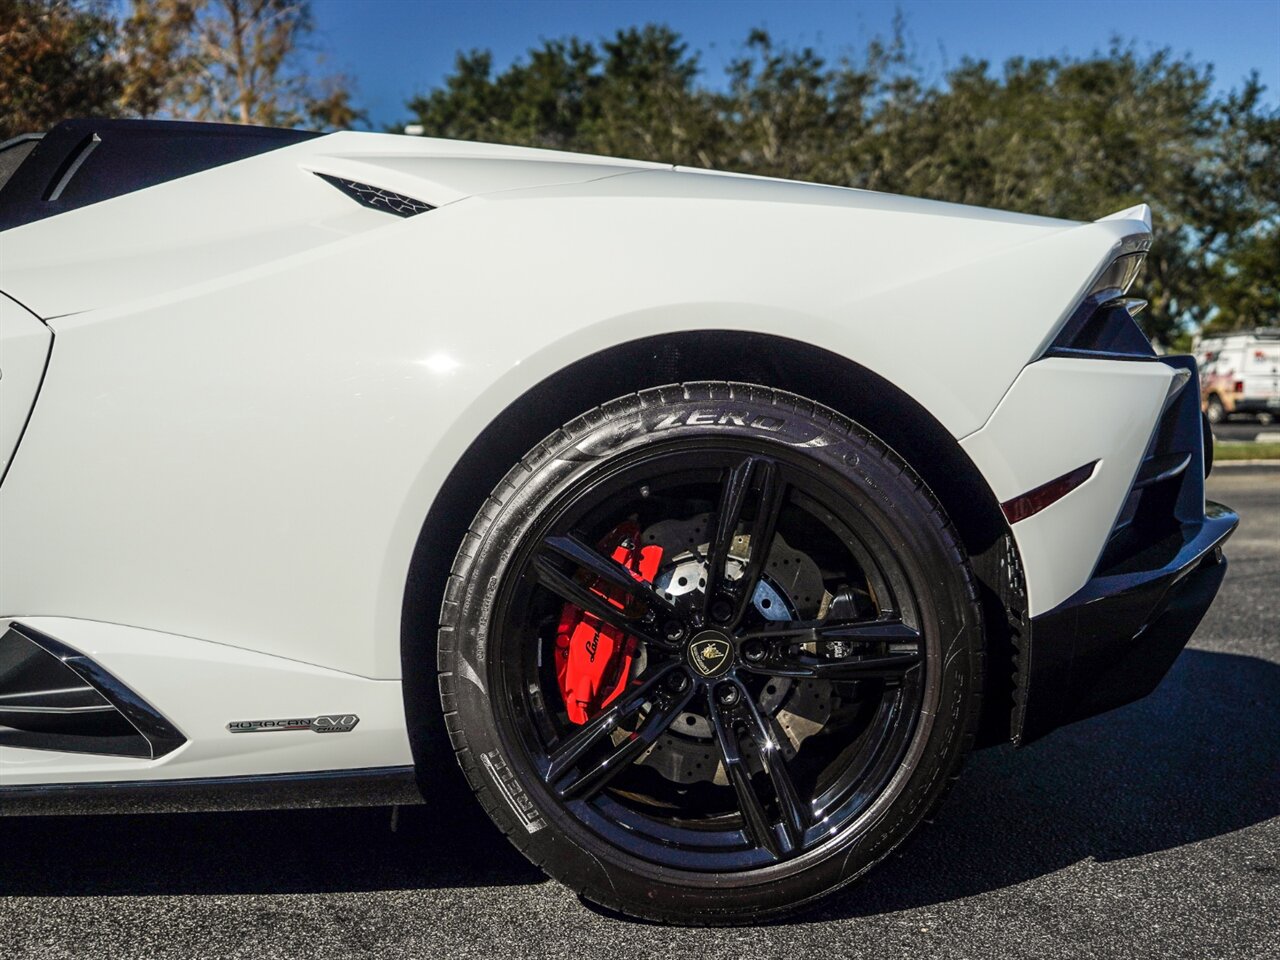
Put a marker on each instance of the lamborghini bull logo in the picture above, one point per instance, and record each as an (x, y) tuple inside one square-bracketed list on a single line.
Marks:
[(709, 655)]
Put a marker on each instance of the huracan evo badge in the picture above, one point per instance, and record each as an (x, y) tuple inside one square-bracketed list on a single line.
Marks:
[(329, 723)]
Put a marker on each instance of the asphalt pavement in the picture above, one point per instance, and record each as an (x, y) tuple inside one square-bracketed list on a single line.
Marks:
[(1246, 429), (1153, 831)]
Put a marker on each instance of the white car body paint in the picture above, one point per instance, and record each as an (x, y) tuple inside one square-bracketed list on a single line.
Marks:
[(24, 351), (259, 387), (1035, 437), (200, 688)]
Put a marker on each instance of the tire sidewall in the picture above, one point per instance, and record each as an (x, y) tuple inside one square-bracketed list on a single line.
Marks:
[(893, 498)]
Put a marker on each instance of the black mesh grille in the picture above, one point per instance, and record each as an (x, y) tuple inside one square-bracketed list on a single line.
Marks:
[(377, 198)]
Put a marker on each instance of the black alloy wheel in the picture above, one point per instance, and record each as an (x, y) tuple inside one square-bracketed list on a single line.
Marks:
[(805, 664)]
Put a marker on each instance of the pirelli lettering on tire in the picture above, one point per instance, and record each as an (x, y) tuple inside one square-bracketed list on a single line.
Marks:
[(512, 792)]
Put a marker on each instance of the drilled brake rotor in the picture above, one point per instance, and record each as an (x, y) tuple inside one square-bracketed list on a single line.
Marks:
[(790, 589)]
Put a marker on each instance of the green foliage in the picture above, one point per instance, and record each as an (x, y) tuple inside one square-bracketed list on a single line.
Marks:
[(242, 61), (1246, 450), (1064, 137), (55, 61), (237, 61), (633, 97)]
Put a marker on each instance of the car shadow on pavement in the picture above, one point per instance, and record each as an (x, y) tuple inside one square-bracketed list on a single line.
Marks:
[(449, 844), (1198, 758)]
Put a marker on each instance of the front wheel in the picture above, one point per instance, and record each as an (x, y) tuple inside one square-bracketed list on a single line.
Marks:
[(710, 652), (1215, 411)]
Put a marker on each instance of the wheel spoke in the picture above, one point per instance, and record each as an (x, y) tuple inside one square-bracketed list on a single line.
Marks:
[(758, 475), (570, 590), (728, 513), (585, 780), (762, 530), (795, 818), (885, 648), (612, 572), (810, 631), (754, 817), (589, 734), (788, 663)]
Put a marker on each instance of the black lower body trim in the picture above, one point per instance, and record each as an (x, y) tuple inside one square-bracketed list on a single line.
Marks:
[(367, 787), (1114, 641)]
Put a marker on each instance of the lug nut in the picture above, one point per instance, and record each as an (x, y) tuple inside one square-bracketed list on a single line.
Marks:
[(727, 694), (678, 682), (674, 630), (754, 651), (721, 611)]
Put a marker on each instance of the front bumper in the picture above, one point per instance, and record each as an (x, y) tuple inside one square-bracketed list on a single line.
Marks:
[(1115, 638)]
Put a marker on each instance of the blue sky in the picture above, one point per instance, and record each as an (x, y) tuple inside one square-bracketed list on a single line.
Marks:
[(394, 48)]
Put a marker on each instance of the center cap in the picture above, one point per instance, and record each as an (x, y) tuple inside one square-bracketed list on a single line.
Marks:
[(710, 653)]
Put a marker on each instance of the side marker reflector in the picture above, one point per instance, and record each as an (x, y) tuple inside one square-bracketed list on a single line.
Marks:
[(1033, 501)]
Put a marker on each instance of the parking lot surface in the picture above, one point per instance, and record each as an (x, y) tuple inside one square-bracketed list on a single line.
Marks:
[(1246, 430), (1153, 831)]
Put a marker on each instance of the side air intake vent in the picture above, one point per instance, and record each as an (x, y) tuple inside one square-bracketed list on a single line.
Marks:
[(55, 698), (377, 198), (1167, 495)]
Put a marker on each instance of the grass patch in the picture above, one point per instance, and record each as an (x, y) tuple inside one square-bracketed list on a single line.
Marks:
[(1245, 451)]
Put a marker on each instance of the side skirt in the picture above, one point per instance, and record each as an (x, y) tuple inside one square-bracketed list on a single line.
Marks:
[(368, 787)]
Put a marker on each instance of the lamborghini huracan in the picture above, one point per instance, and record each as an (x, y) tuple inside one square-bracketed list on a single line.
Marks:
[(707, 520)]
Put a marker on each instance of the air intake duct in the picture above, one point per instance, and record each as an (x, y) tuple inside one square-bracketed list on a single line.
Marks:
[(56, 698)]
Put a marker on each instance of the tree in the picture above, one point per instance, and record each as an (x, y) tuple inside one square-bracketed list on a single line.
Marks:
[(1074, 139), (1066, 137), (1243, 281), (241, 61), (57, 62), (156, 54), (635, 96), (645, 104)]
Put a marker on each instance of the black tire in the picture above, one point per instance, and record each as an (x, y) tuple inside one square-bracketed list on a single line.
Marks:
[(1214, 410), (903, 732)]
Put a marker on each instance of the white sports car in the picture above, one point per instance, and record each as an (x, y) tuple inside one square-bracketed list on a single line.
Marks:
[(709, 520)]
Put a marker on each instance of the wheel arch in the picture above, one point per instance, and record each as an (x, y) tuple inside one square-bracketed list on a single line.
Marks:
[(807, 370)]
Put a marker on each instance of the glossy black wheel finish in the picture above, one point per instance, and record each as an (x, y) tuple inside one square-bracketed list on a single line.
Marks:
[(756, 819), (713, 658)]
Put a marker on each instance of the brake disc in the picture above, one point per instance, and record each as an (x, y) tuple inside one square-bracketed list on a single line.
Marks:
[(791, 588)]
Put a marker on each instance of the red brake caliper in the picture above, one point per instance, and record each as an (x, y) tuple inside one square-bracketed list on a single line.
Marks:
[(593, 660)]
